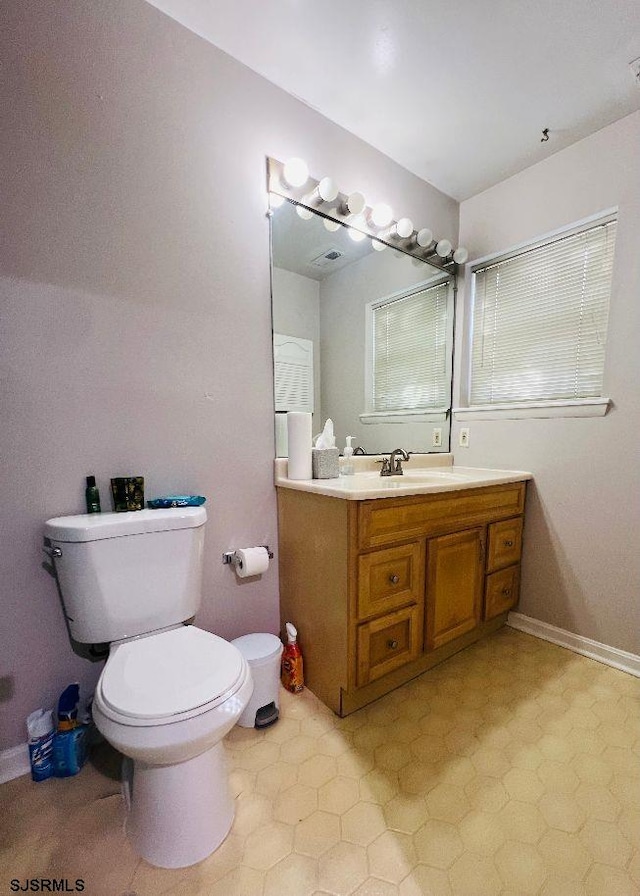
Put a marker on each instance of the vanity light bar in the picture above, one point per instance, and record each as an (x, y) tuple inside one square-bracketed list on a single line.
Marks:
[(291, 180)]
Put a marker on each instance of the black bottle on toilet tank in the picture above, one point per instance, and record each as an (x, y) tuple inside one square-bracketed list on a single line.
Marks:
[(92, 496)]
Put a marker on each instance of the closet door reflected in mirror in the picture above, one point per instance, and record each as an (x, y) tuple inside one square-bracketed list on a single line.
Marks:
[(362, 336)]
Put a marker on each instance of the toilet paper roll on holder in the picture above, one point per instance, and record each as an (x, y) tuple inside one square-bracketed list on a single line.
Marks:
[(232, 558)]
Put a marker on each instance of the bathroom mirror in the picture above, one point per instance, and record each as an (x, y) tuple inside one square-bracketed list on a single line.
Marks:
[(362, 336)]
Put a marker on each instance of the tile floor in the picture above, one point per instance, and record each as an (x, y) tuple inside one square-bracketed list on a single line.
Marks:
[(511, 769)]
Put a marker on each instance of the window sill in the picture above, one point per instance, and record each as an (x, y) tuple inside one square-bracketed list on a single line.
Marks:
[(584, 407), (437, 415)]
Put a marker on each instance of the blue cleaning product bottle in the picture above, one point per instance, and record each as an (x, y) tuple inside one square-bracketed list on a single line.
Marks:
[(68, 707), (69, 751), (41, 731), (71, 740)]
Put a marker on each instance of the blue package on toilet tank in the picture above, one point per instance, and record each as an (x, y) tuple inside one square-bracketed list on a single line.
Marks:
[(176, 501)]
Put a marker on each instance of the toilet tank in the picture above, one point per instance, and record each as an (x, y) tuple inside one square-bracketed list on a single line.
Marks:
[(126, 574)]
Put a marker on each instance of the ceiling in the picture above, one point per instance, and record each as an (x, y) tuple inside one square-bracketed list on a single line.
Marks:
[(457, 92), (305, 247)]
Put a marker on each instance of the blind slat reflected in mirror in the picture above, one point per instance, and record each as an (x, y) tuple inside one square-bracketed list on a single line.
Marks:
[(329, 295)]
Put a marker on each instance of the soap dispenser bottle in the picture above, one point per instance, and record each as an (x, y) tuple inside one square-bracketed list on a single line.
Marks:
[(347, 468)]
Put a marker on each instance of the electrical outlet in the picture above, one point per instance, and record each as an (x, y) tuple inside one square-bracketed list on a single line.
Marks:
[(463, 440), (436, 439)]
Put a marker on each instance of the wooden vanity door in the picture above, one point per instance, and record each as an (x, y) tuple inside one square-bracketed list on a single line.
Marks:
[(455, 574)]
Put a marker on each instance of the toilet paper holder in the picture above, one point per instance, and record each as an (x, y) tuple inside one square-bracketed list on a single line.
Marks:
[(230, 557)]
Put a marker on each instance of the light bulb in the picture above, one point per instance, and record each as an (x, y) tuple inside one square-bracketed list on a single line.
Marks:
[(304, 213), (424, 237), (295, 172), (329, 224), (354, 204), (378, 246), (381, 215), (460, 255), (404, 228), (443, 248), (328, 189), (356, 235), (275, 200)]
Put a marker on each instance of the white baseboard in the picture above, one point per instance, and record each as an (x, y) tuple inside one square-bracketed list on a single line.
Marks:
[(14, 762), (610, 656)]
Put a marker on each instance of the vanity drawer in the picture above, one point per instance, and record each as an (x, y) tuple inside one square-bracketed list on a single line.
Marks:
[(381, 523), (501, 592), (390, 579), (387, 643), (505, 543)]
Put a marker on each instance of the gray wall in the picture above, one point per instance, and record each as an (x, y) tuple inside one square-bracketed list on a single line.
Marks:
[(581, 566), (136, 321)]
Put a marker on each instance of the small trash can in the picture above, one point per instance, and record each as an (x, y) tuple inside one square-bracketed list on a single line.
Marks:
[(262, 652)]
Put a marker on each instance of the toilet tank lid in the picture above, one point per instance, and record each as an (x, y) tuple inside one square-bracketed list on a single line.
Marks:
[(96, 526)]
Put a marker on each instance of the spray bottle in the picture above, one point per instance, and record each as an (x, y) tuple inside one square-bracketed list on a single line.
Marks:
[(292, 674)]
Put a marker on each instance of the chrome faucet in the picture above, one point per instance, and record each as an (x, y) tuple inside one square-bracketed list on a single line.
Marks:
[(392, 465)]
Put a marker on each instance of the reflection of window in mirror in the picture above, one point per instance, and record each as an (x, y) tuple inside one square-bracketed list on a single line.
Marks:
[(408, 352)]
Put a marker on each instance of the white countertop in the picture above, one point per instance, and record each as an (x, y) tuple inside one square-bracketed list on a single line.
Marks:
[(424, 474)]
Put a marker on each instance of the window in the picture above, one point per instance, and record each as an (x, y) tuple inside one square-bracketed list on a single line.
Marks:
[(539, 323), (409, 338)]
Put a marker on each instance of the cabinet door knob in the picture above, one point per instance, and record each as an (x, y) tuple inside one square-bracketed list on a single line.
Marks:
[(394, 579), (506, 591), (508, 544), (392, 644)]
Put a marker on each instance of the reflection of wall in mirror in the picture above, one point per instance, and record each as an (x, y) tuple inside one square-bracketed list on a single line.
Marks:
[(296, 312)]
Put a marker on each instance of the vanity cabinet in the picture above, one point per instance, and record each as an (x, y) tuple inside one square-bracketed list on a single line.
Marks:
[(383, 589)]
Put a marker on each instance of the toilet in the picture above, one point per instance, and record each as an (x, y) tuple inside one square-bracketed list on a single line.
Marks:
[(169, 691)]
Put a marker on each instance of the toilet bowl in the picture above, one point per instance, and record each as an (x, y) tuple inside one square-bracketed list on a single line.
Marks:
[(166, 700)]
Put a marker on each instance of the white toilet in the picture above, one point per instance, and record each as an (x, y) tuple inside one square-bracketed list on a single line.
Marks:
[(169, 692)]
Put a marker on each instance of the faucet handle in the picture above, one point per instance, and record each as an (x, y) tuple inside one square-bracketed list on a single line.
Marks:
[(386, 466)]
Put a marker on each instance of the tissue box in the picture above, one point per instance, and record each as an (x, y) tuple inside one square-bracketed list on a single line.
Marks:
[(324, 463)]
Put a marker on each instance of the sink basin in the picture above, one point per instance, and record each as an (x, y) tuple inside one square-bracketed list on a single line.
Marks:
[(434, 476), (414, 476)]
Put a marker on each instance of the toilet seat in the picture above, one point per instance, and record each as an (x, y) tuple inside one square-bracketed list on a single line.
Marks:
[(169, 677)]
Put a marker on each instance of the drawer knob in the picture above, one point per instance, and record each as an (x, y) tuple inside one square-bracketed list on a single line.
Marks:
[(506, 591), (394, 579), (508, 544), (392, 644)]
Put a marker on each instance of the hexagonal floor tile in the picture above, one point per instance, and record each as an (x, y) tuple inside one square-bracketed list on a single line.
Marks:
[(343, 868), (362, 823), (438, 844), (316, 834), (521, 867), (338, 795), (391, 856)]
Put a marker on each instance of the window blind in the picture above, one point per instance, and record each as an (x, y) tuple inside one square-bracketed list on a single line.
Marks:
[(540, 321), (410, 352)]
